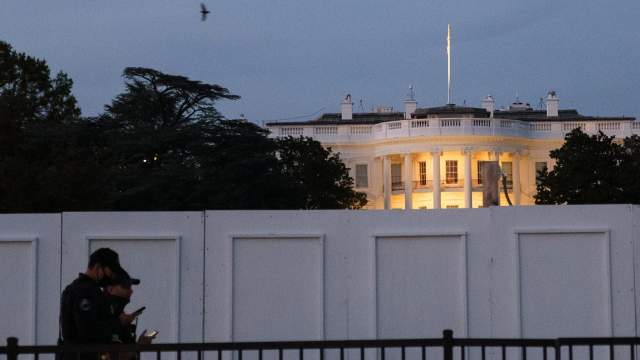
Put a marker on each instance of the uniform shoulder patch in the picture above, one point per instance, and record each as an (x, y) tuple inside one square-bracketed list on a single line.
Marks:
[(85, 304)]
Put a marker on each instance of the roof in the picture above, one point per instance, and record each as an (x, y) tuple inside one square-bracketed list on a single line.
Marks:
[(451, 109), (369, 118), (448, 111), (563, 115)]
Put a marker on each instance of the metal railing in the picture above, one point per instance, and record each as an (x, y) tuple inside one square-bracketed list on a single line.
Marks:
[(422, 184), (446, 348), (397, 185)]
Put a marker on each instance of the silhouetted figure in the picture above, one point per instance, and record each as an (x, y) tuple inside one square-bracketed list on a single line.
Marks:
[(204, 11)]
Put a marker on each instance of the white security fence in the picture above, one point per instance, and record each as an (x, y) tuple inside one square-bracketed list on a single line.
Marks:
[(545, 271)]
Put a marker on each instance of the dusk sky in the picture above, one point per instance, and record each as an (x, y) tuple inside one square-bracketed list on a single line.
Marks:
[(289, 59)]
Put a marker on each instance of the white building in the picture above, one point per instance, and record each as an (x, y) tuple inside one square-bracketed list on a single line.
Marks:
[(425, 158)]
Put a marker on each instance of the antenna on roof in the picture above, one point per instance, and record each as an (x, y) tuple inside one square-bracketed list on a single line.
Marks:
[(361, 105), (541, 104), (411, 95)]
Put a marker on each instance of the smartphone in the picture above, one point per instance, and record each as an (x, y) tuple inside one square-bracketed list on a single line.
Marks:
[(151, 333), (139, 311)]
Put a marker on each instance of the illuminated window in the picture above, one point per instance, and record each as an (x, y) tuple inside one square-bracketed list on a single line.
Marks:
[(451, 171), (422, 166), (480, 166), (541, 166), (396, 177), (507, 170), (362, 176)]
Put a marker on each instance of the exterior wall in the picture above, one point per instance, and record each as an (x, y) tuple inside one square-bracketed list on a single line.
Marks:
[(530, 141), (543, 271)]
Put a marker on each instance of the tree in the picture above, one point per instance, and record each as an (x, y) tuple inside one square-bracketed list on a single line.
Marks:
[(169, 148), (321, 180), (630, 169), (588, 170), (39, 129)]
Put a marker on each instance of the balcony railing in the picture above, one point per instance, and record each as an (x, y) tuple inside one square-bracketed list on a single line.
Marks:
[(455, 126), (479, 184), (397, 185), (452, 183), (423, 184)]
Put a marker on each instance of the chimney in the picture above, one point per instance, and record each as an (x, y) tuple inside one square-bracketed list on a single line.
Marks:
[(552, 104), (410, 105), (346, 107), (489, 104)]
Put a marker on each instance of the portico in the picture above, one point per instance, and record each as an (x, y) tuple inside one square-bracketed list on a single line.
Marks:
[(445, 177)]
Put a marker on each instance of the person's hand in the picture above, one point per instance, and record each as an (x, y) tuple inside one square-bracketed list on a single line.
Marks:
[(126, 319), (144, 340)]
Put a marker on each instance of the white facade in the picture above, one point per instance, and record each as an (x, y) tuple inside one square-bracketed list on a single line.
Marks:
[(430, 158), (544, 271)]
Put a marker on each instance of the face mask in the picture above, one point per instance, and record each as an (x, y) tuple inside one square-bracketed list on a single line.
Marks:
[(106, 280)]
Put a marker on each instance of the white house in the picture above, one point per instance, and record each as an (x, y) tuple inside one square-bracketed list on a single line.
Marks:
[(426, 158)]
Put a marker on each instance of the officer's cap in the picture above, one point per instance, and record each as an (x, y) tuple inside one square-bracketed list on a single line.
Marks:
[(106, 257), (122, 278)]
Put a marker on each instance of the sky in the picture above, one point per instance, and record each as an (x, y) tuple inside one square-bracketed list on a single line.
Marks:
[(294, 59)]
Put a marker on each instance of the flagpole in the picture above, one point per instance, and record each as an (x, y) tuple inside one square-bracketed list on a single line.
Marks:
[(449, 64)]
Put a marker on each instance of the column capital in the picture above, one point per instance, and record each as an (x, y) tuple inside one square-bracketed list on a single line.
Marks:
[(468, 150), (436, 150)]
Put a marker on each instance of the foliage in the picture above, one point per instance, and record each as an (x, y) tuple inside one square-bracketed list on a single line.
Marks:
[(592, 170), (160, 145), (322, 180), (40, 128)]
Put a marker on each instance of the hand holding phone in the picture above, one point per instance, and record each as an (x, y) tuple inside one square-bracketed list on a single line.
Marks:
[(138, 312), (147, 336)]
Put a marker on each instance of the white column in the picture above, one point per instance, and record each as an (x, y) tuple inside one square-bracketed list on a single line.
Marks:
[(386, 187), (467, 178), (496, 158), (435, 155), (408, 182), (516, 178)]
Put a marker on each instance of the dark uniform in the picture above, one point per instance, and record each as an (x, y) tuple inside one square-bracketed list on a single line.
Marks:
[(123, 334), (84, 310), (85, 316)]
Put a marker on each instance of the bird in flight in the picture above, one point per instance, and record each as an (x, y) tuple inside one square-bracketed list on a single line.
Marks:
[(204, 11)]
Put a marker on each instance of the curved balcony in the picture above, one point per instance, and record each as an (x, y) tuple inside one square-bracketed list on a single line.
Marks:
[(453, 127)]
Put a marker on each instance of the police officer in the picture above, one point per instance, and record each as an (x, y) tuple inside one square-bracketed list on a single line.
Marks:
[(118, 294), (84, 310)]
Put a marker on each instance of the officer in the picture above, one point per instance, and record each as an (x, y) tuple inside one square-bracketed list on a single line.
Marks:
[(84, 310), (118, 294)]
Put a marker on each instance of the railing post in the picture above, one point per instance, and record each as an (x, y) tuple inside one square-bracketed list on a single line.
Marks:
[(558, 350), (12, 348), (447, 343)]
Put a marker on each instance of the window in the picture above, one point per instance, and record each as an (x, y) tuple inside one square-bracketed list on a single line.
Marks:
[(480, 166), (540, 166), (422, 167), (507, 170), (451, 171), (362, 176), (396, 177)]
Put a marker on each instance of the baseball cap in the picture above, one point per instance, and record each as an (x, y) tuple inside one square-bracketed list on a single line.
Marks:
[(106, 257), (122, 278)]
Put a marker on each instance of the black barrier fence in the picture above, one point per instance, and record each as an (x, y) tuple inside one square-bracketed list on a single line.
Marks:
[(445, 348)]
